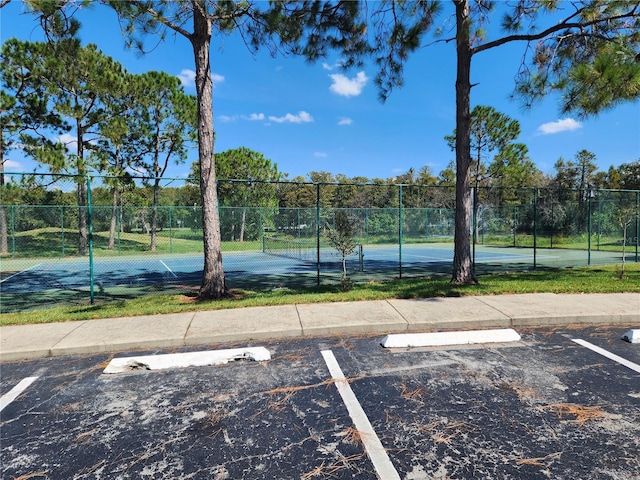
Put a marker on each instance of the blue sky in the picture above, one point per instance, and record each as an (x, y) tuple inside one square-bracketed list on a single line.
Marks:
[(314, 117)]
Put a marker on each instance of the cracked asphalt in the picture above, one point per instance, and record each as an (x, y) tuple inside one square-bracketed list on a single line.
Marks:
[(541, 408)]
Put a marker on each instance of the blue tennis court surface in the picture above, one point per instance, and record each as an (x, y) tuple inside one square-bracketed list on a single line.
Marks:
[(418, 254), (109, 272), (141, 270)]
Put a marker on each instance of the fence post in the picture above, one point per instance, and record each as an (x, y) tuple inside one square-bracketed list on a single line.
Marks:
[(426, 224), (90, 228), (515, 225), (474, 226), (553, 223), (119, 226), (589, 226), (400, 221), (599, 227), (13, 231), (366, 225), (535, 227), (318, 234), (62, 225), (170, 231), (261, 227), (637, 223)]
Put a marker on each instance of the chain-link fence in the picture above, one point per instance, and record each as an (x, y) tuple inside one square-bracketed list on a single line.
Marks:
[(66, 239)]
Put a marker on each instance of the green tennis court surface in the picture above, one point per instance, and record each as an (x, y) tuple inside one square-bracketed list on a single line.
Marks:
[(283, 259)]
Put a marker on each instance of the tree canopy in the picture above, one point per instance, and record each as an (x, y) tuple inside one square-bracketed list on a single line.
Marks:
[(586, 51)]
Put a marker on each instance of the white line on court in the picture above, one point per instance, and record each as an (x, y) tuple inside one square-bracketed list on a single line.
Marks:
[(612, 356), (18, 273), (12, 394), (373, 446), (167, 267)]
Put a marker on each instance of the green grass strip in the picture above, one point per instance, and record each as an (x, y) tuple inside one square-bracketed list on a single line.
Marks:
[(606, 279)]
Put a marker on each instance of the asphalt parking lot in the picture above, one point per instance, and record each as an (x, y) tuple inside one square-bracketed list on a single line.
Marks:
[(543, 407)]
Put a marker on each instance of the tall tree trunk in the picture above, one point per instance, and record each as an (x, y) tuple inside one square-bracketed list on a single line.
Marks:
[(213, 281), (462, 265)]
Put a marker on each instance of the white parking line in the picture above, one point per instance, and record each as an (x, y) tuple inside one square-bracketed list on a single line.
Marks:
[(377, 453), (12, 394), (612, 356)]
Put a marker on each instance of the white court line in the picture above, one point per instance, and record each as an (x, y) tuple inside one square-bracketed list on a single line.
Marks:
[(612, 356), (167, 267), (18, 273), (12, 394), (373, 446)]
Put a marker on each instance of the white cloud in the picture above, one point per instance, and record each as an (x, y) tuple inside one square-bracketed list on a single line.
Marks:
[(227, 118), (348, 87), (319, 154), (345, 121), (301, 117), (566, 125), (215, 78), (69, 141), (188, 78), (10, 165), (233, 118), (330, 67)]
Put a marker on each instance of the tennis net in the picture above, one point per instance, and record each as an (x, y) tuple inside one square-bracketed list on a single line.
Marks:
[(307, 251)]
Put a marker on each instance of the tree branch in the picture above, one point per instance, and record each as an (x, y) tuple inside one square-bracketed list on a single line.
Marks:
[(142, 8), (565, 24), (440, 40)]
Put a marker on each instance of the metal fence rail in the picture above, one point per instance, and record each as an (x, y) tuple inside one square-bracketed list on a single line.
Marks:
[(69, 239)]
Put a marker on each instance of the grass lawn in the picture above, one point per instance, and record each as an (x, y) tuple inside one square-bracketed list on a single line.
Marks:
[(579, 280)]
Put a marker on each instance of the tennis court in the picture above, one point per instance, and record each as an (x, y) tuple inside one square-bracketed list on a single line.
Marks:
[(284, 263), (279, 238), (31, 283)]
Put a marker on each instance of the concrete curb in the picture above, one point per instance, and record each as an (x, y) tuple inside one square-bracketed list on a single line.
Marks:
[(257, 323)]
